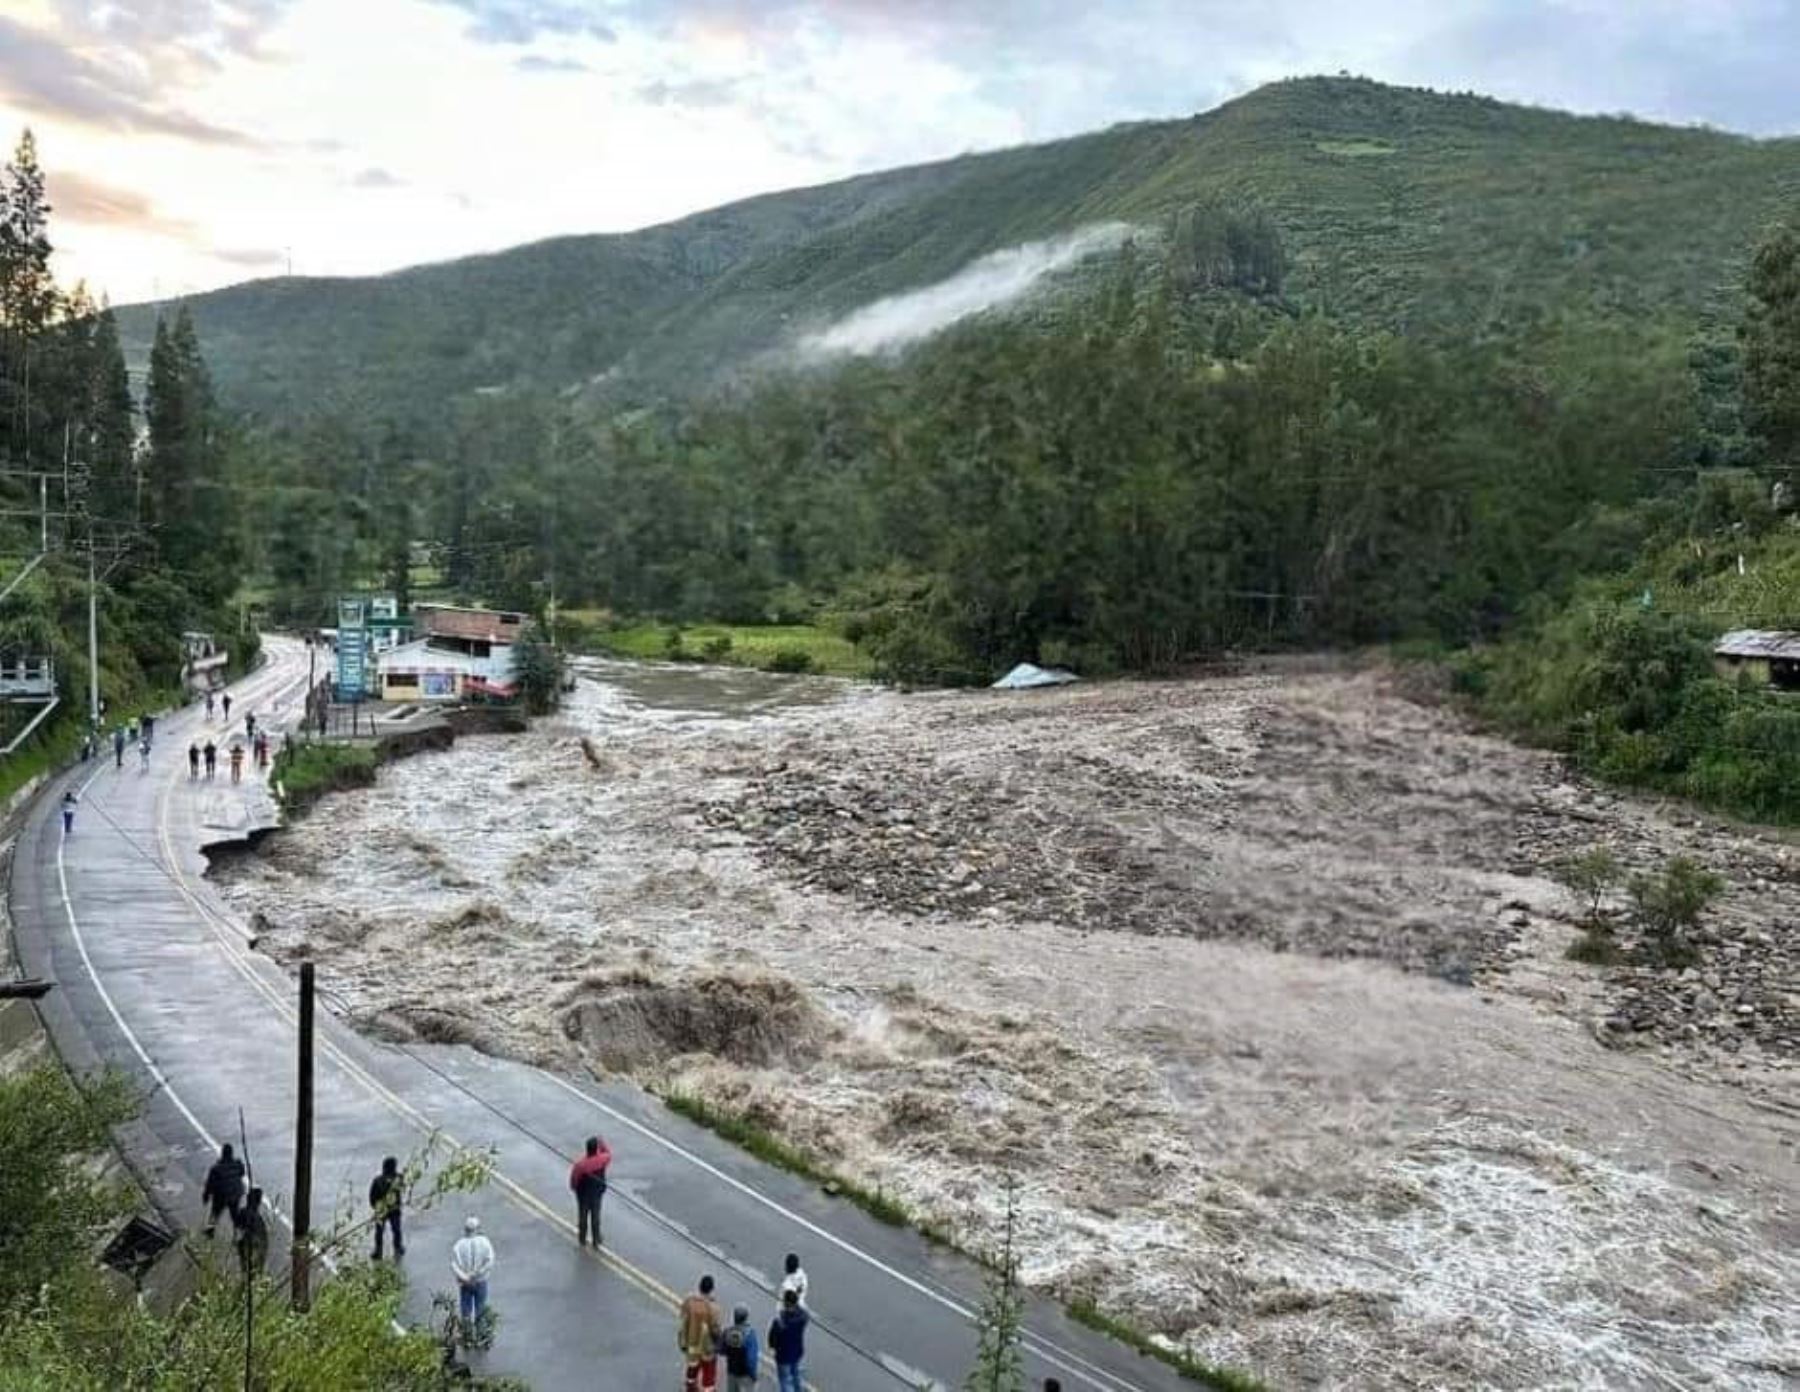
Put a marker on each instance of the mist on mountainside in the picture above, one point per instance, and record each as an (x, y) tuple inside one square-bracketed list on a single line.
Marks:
[(999, 278)]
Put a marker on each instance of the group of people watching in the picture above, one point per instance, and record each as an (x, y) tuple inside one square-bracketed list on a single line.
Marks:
[(706, 1341)]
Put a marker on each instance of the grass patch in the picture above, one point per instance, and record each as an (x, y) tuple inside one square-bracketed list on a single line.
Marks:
[(768, 647), (771, 1149), (1355, 149), (1597, 948), (304, 773), (1225, 1379)]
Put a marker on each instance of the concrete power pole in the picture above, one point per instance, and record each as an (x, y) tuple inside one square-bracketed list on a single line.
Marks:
[(93, 642), (303, 1148)]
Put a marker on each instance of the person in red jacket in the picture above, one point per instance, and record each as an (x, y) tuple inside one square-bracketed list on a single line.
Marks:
[(587, 1177)]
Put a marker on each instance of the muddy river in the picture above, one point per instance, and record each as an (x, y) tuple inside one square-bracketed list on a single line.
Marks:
[(1255, 983)]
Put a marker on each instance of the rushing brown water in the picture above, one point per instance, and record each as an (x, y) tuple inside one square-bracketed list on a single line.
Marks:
[(1187, 959)]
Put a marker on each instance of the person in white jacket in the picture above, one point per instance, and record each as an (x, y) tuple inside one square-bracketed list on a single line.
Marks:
[(471, 1260)]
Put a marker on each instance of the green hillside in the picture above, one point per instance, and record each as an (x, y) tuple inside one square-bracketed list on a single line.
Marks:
[(1399, 208)]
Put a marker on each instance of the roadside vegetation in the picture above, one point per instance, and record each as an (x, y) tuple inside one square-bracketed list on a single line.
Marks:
[(305, 771), (67, 1324)]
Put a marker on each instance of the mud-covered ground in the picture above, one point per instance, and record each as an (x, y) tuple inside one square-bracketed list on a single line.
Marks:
[(1255, 983)]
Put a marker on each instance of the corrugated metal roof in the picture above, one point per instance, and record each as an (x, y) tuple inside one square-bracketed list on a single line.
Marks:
[(1759, 642)]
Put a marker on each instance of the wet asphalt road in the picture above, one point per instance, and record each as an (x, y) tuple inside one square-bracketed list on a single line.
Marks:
[(158, 976)]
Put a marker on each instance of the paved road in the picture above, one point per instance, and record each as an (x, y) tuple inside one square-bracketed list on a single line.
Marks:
[(157, 975)]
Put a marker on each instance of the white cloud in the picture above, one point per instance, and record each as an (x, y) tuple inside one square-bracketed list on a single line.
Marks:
[(258, 122)]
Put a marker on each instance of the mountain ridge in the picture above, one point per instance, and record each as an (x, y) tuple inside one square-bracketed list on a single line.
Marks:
[(1400, 206)]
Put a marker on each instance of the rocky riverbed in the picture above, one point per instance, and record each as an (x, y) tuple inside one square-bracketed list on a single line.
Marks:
[(1255, 982)]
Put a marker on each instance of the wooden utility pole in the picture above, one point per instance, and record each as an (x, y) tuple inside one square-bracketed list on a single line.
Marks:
[(303, 1146)]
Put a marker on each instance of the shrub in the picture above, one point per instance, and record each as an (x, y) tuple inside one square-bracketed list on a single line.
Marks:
[(1667, 908), (793, 660), (717, 649), (1590, 877)]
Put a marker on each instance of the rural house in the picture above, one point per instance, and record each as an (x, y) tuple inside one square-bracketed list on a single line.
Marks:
[(1769, 656)]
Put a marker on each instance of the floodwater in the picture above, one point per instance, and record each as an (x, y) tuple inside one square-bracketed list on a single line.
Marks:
[(1190, 961)]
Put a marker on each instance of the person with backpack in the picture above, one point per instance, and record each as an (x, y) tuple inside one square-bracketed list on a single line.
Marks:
[(743, 1354), (587, 1179), (697, 1333), (384, 1198), (224, 1188), (787, 1341)]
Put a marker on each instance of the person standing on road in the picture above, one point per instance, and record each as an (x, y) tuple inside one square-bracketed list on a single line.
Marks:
[(225, 702), (587, 1178), (193, 762), (119, 747), (70, 798), (384, 1198), (697, 1332), (224, 1189), (787, 1341), (793, 1279), (250, 724), (472, 1262), (743, 1354), (237, 762), (253, 1233), (211, 754), (144, 754), (209, 705)]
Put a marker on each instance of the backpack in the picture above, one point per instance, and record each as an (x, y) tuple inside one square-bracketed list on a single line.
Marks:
[(737, 1350)]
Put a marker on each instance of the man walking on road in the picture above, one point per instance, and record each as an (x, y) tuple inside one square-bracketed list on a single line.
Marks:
[(211, 753), (237, 763), (193, 762), (225, 701), (224, 1189), (787, 1341), (209, 705), (384, 1198), (119, 748), (698, 1334), (743, 1354), (70, 798), (587, 1178), (793, 1279), (144, 754), (471, 1262)]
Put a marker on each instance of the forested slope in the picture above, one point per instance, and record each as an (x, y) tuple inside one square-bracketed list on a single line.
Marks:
[(1400, 209)]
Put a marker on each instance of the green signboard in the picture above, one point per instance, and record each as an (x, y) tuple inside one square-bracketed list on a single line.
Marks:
[(352, 650)]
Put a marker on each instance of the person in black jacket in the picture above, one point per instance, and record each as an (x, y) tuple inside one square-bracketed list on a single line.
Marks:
[(384, 1198), (787, 1342), (224, 1188)]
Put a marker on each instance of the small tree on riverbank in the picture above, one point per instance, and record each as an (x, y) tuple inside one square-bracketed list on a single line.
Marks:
[(1667, 908), (999, 1363), (539, 670)]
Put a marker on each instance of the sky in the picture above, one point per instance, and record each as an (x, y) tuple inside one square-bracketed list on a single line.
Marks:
[(194, 143)]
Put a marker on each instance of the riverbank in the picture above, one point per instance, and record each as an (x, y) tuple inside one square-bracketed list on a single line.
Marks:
[(1255, 982)]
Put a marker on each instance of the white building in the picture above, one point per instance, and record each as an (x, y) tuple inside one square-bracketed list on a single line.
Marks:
[(463, 653)]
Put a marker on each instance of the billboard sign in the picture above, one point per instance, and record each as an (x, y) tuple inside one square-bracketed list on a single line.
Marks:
[(352, 650)]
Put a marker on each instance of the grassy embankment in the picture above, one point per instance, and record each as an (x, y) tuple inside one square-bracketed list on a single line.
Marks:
[(304, 773), (878, 1204), (769, 648)]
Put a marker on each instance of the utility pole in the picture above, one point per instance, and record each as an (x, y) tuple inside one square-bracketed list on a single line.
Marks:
[(93, 641), (303, 1147)]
